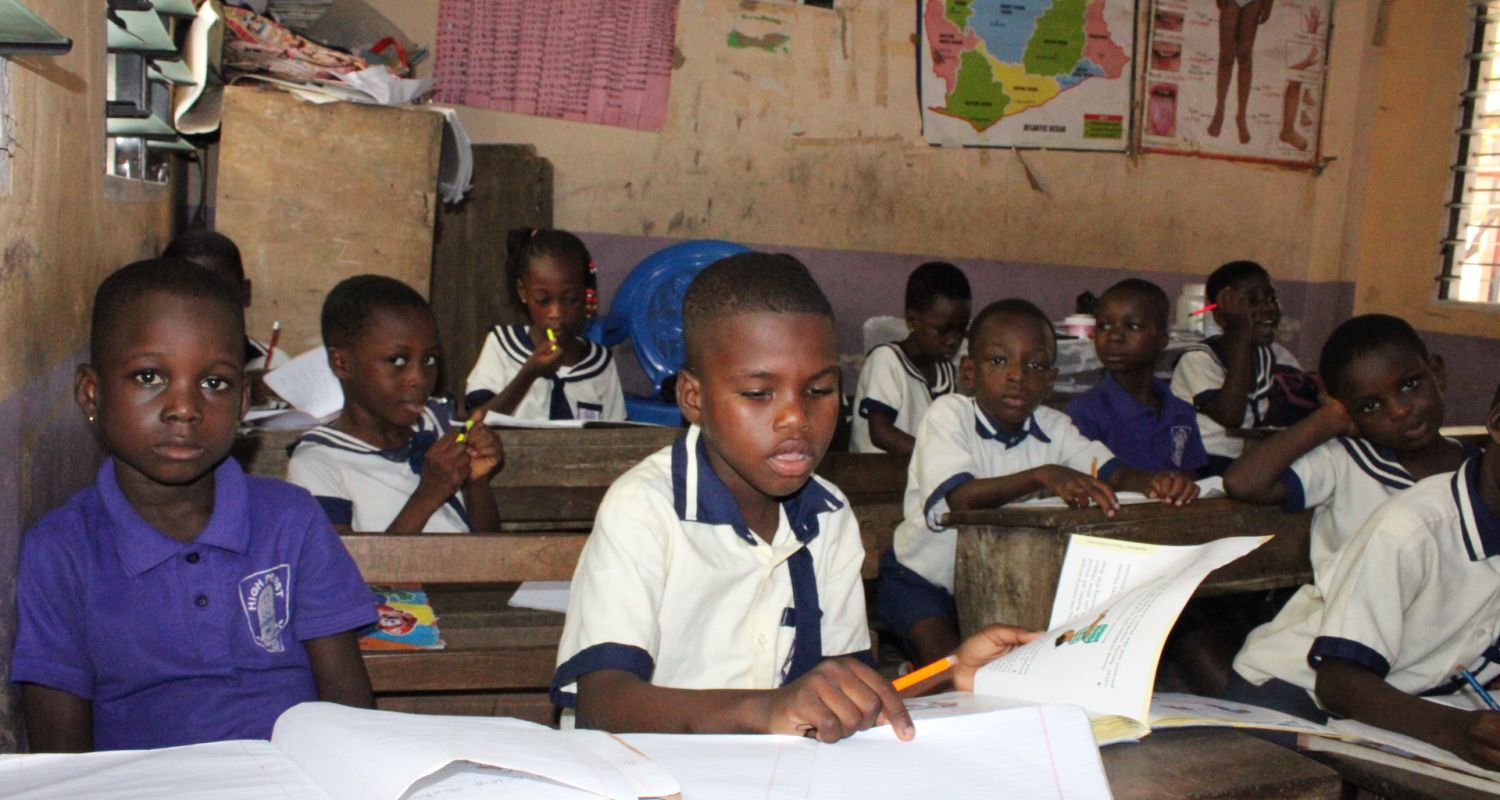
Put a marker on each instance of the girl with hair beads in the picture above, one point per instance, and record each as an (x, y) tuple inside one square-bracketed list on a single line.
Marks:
[(547, 370)]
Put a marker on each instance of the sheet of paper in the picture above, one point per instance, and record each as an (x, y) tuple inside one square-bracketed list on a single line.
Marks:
[(732, 767), (1116, 601), (359, 754), (308, 384), (542, 596), (237, 770), (495, 419), (1207, 488), (1024, 753), (1404, 752)]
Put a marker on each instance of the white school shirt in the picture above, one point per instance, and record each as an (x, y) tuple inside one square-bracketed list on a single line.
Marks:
[(590, 388), (1199, 377), (673, 587), (889, 383), (1343, 480), (1417, 591), (956, 443), (364, 487)]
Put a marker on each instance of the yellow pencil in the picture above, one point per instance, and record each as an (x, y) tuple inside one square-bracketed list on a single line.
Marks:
[(1094, 469), (468, 425), (552, 337), (915, 677)]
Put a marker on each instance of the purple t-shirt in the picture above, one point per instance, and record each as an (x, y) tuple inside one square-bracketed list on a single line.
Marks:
[(177, 643), (1139, 436)]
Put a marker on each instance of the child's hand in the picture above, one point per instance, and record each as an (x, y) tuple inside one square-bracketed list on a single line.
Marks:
[(447, 465), (1172, 487), (486, 454), (988, 644), (1233, 311), (544, 359), (1334, 418), (1479, 740), (1076, 488), (837, 698)]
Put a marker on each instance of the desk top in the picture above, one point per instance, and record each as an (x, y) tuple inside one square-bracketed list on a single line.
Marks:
[(1202, 763), (1056, 517)]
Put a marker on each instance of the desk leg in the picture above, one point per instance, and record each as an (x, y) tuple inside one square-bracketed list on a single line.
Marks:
[(1006, 575)]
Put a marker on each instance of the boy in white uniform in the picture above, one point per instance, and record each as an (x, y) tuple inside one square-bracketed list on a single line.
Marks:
[(1413, 598), (392, 461), (1240, 379), (1376, 437), (900, 380), (720, 589), (984, 451)]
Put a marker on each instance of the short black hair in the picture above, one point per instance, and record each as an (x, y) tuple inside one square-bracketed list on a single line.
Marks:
[(1359, 336), (1154, 298), (1009, 307), (354, 301), (932, 280), (1230, 274), (118, 292), (748, 283), (524, 244), (208, 249)]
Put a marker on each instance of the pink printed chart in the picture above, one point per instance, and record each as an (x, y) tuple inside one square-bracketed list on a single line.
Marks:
[(600, 61)]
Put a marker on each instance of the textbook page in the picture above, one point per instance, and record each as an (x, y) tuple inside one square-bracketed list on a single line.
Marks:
[(236, 770), (1116, 602), (542, 596), (308, 384), (360, 754), (1388, 747), (1174, 710)]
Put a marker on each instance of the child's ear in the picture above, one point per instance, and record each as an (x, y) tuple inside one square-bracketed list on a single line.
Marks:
[(1439, 369), (338, 362), (966, 370), (86, 391), (689, 396)]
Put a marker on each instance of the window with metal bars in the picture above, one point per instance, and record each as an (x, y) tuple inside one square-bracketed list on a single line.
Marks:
[(142, 66), (1471, 249)]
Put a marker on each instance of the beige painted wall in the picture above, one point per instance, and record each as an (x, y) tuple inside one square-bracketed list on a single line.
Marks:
[(60, 232), (822, 147), (1398, 220)]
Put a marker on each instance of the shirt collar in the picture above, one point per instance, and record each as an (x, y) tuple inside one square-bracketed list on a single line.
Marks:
[(1122, 405), (699, 495), (989, 429), (142, 547), (1480, 526)]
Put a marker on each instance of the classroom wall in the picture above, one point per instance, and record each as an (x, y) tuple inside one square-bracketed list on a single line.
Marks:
[(63, 228)]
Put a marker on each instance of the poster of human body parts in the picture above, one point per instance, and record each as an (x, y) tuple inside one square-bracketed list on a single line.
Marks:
[(1240, 79)]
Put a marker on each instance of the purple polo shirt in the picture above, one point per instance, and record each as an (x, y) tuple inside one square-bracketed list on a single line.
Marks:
[(1138, 435), (182, 643)]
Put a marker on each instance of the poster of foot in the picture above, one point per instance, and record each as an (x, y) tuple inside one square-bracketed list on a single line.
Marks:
[(1239, 79)]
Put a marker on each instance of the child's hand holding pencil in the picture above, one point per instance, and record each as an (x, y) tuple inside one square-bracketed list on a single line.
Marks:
[(486, 454)]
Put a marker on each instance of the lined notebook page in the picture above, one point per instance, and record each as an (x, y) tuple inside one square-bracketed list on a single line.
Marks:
[(235, 770), (732, 767)]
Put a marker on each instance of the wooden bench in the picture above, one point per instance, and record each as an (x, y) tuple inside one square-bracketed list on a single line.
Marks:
[(1008, 559), (499, 660)]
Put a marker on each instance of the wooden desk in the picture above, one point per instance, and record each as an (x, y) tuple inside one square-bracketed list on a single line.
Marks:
[(1009, 559), (1204, 763), (1394, 783)]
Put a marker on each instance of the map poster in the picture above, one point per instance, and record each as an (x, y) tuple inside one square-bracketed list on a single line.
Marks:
[(1027, 73), (1238, 79)]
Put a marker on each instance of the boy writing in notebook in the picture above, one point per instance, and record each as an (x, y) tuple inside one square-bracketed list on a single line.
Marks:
[(901, 379), (985, 451), (1376, 436), (178, 600), (393, 460), (1413, 599), (720, 589)]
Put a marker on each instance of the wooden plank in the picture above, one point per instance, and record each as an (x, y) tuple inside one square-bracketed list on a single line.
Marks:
[(1394, 783), (1008, 560), (462, 670), (1217, 764), (465, 558), (531, 706)]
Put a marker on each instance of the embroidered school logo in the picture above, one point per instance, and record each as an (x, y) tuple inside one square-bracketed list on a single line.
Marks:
[(1180, 435), (264, 595)]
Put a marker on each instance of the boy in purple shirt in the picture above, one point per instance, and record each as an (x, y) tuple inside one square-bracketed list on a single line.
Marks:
[(1133, 412), (178, 600)]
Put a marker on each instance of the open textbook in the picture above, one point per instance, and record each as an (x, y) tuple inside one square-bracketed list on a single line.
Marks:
[(324, 752), (1381, 746), (1116, 602)]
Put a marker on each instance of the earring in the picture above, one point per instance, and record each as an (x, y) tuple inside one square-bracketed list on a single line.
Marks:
[(91, 419)]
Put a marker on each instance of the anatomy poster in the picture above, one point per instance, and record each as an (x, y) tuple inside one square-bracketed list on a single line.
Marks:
[(1240, 79)]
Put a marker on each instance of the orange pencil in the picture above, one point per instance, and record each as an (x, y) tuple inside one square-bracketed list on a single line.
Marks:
[(915, 677), (1094, 469), (271, 345)]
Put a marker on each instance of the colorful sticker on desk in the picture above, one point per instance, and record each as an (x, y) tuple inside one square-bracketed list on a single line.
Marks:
[(407, 621)]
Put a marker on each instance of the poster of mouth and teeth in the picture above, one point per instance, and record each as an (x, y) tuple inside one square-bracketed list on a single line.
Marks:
[(1236, 79)]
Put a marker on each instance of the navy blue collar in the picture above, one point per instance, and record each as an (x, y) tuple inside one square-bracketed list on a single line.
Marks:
[(946, 374), (989, 429), (1265, 361), (515, 342), (699, 495), (435, 422), (1480, 526)]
